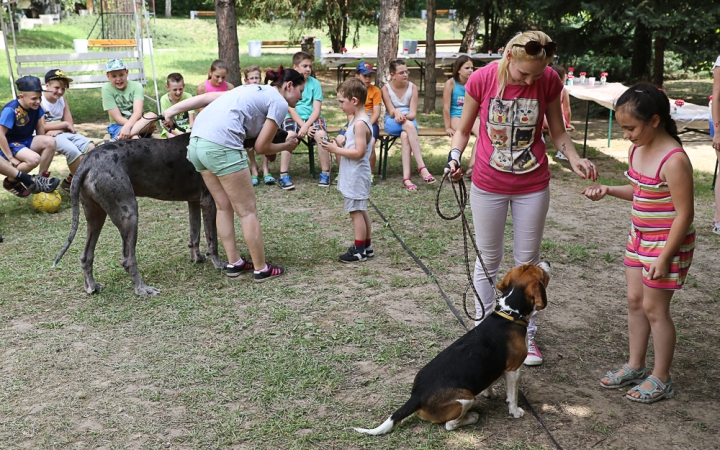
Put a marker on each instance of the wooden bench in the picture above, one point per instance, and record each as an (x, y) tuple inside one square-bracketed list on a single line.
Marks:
[(196, 14), (442, 43), (387, 141), (86, 69), (281, 44), (107, 44)]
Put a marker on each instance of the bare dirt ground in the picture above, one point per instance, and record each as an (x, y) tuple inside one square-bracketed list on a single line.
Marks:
[(213, 363)]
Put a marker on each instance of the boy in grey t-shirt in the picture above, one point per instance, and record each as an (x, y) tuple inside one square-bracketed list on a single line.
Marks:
[(354, 179)]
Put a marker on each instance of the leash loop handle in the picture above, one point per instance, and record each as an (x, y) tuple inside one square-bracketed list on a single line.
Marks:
[(461, 197)]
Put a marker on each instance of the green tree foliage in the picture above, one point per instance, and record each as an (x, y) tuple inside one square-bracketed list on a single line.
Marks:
[(608, 35), (340, 17)]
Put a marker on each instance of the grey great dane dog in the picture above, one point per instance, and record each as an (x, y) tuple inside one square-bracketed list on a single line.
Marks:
[(111, 177)]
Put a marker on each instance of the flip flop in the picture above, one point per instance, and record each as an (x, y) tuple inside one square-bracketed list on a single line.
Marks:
[(428, 179)]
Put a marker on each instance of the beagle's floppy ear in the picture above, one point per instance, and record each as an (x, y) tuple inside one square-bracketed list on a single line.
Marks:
[(535, 293)]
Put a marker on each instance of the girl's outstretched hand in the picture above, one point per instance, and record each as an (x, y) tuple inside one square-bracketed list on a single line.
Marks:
[(583, 164), (595, 192)]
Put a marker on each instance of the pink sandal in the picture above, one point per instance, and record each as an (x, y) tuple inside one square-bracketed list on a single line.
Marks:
[(428, 179), (410, 187)]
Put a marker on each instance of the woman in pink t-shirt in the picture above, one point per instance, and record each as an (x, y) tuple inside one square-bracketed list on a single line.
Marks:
[(511, 97)]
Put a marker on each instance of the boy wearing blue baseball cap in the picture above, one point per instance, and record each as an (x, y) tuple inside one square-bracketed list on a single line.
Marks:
[(18, 120), (123, 99), (366, 73)]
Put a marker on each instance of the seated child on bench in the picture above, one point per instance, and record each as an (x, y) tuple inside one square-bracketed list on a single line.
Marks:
[(59, 123), (123, 100)]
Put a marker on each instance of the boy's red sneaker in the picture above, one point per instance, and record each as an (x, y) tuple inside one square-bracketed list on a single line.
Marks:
[(16, 188)]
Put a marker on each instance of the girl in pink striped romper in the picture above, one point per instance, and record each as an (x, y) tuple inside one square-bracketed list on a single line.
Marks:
[(661, 240)]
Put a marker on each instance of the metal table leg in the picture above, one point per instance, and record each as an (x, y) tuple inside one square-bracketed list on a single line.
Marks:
[(587, 118)]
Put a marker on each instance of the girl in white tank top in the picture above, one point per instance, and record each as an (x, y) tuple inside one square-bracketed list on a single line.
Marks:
[(400, 120)]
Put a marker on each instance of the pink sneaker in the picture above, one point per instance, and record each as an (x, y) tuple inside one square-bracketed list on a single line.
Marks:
[(534, 357)]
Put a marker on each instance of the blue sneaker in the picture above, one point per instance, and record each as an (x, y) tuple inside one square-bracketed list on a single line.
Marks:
[(285, 183), (324, 180)]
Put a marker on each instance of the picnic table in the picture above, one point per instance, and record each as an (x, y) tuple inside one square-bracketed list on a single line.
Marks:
[(692, 118), (340, 60)]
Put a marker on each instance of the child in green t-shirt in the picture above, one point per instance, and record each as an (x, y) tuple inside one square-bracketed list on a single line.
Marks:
[(123, 100), (304, 119), (176, 93)]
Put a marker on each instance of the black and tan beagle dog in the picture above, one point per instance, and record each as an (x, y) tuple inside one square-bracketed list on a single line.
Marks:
[(444, 390)]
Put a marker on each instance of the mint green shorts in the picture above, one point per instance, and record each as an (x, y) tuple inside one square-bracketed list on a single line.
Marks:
[(218, 159)]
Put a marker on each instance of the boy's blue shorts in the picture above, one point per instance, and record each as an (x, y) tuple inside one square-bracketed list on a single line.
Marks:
[(16, 146), (114, 129)]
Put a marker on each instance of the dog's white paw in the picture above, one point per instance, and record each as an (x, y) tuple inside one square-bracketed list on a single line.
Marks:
[(489, 393), (516, 412)]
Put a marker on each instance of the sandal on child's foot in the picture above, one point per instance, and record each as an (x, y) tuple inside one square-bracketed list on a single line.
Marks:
[(255, 180), (631, 376), (429, 179), (658, 392), (410, 186), (268, 179)]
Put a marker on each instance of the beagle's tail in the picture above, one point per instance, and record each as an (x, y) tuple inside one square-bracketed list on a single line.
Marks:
[(412, 405)]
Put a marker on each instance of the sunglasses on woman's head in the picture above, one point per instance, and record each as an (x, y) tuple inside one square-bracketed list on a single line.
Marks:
[(533, 48)]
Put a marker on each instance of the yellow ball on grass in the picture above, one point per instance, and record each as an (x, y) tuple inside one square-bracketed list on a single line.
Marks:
[(48, 202)]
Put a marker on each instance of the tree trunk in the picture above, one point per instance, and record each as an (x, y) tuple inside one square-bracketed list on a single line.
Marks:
[(659, 63), (468, 42), (228, 47), (642, 53), (168, 9), (430, 81), (388, 36)]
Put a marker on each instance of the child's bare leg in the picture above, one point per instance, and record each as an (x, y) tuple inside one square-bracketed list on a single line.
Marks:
[(253, 163), (73, 166), (265, 165), (638, 325), (359, 225), (285, 158), (373, 155), (368, 225), (323, 154), (28, 159), (45, 147), (405, 155), (717, 194), (656, 305), (414, 142)]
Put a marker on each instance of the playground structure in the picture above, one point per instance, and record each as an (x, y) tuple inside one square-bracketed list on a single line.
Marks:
[(125, 20)]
